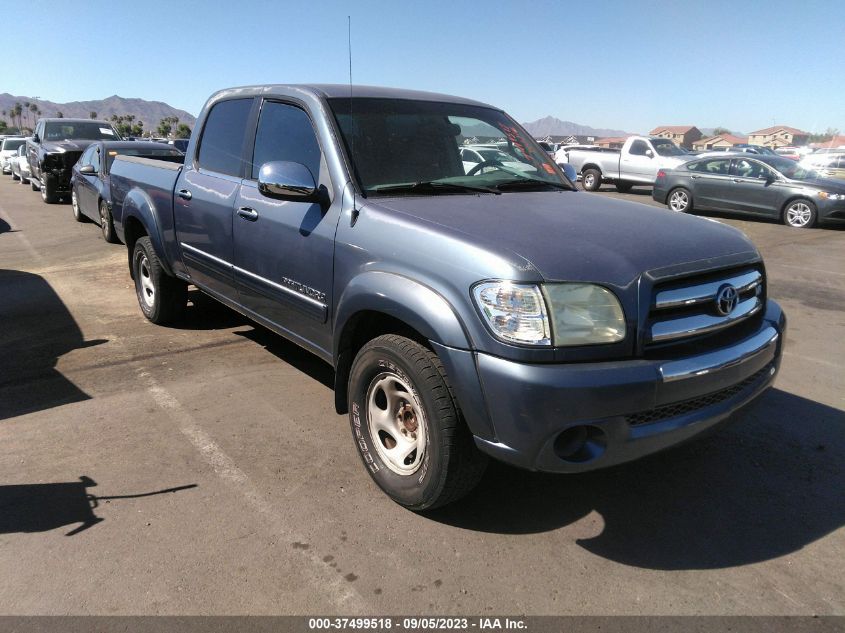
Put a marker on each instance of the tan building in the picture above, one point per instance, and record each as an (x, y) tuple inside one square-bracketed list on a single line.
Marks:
[(718, 142), (778, 136), (613, 142), (834, 143), (683, 135)]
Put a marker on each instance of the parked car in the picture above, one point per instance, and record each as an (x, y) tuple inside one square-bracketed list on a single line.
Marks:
[(491, 158), (764, 186), (9, 149), (179, 143), (55, 147), (753, 149), (828, 165), (20, 165), (791, 153), (90, 182), (637, 163), (502, 313)]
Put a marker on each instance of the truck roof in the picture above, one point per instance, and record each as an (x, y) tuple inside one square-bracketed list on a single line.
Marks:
[(330, 91)]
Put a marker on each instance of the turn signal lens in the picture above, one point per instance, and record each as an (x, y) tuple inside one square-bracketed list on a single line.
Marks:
[(516, 313)]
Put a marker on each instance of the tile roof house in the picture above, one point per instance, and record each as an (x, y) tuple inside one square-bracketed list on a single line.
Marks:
[(778, 136), (683, 135), (718, 141)]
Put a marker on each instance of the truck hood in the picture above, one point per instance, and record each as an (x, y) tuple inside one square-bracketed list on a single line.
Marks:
[(577, 236), (60, 147)]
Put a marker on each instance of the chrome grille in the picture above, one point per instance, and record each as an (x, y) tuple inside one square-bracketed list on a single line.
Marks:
[(687, 308)]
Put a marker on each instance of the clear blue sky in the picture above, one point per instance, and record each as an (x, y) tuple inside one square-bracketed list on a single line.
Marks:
[(743, 64)]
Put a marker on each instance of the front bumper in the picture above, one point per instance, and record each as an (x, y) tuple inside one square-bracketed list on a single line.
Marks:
[(582, 416), (831, 210)]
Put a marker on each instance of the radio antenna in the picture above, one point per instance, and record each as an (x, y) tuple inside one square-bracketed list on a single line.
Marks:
[(351, 119)]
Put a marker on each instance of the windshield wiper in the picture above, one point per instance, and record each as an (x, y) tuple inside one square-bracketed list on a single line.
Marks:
[(531, 183), (431, 186)]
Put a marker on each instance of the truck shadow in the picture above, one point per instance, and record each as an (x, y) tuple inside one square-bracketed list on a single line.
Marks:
[(42, 507), (766, 486), (36, 328)]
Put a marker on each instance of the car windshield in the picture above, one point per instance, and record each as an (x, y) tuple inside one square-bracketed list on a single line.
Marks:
[(667, 148), (12, 143), (172, 154), (792, 170), (408, 147), (79, 130)]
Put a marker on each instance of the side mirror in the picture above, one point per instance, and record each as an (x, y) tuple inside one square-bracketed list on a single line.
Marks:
[(35, 138), (88, 170), (649, 153), (286, 180), (569, 172)]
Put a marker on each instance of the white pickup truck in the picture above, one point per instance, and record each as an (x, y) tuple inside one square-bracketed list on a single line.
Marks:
[(637, 163)]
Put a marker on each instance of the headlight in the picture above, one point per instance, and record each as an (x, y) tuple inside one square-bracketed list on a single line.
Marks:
[(515, 312), (584, 314), (824, 195)]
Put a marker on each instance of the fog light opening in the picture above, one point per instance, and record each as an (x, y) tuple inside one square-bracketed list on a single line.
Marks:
[(580, 444)]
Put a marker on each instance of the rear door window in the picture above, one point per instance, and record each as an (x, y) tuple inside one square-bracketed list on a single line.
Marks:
[(222, 142)]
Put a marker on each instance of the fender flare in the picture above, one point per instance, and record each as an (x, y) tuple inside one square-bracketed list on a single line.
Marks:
[(138, 205)]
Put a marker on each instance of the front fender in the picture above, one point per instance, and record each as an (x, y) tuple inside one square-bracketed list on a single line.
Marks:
[(138, 205), (404, 299)]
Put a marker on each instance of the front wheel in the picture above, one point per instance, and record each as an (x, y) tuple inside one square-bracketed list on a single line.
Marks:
[(591, 179), (680, 200), (74, 204), (407, 426), (107, 223), (162, 298), (48, 191), (800, 214)]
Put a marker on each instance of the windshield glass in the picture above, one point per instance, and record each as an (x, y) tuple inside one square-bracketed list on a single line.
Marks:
[(397, 143), (82, 130), (174, 155), (12, 143), (665, 147), (792, 170)]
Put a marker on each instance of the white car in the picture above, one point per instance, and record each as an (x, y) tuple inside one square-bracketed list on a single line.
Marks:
[(474, 155), (20, 165), (8, 149)]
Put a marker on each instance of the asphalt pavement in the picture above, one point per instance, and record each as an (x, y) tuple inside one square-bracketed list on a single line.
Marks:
[(201, 469)]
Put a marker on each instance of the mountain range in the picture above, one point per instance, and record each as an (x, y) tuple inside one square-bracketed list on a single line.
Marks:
[(552, 126), (150, 112)]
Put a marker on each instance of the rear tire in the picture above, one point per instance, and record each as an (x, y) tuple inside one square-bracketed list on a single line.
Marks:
[(591, 179), (623, 187), (679, 200), (800, 214), (162, 298), (407, 426), (107, 223)]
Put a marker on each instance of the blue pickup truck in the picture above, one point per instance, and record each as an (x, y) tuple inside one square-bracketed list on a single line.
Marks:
[(468, 311)]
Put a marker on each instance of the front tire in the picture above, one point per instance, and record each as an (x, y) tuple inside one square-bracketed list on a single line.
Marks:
[(33, 185), (800, 214), (679, 200), (107, 223), (162, 298), (48, 192), (407, 426), (74, 204), (591, 179), (623, 187)]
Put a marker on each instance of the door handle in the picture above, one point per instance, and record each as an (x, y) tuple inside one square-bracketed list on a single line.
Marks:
[(737, 179), (248, 214), (184, 194), (695, 177)]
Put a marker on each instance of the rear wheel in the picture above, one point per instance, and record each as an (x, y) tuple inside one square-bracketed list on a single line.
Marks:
[(162, 298), (800, 214), (107, 223), (623, 187), (407, 426), (591, 179), (680, 200)]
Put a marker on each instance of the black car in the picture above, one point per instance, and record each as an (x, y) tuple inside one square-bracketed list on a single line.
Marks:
[(90, 184), (55, 146), (761, 185)]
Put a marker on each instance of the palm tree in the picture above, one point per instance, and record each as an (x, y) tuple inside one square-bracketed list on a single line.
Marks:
[(92, 115)]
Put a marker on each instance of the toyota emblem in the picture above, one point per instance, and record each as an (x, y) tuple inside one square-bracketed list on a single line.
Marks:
[(726, 299)]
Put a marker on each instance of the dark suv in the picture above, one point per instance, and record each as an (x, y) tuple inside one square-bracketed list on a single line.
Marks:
[(55, 146)]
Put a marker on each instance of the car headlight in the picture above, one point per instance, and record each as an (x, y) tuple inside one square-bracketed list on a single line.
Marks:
[(563, 314), (584, 314), (825, 195), (515, 312)]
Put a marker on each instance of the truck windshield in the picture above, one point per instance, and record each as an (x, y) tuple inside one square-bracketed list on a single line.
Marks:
[(409, 147), (667, 148), (79, 130)]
